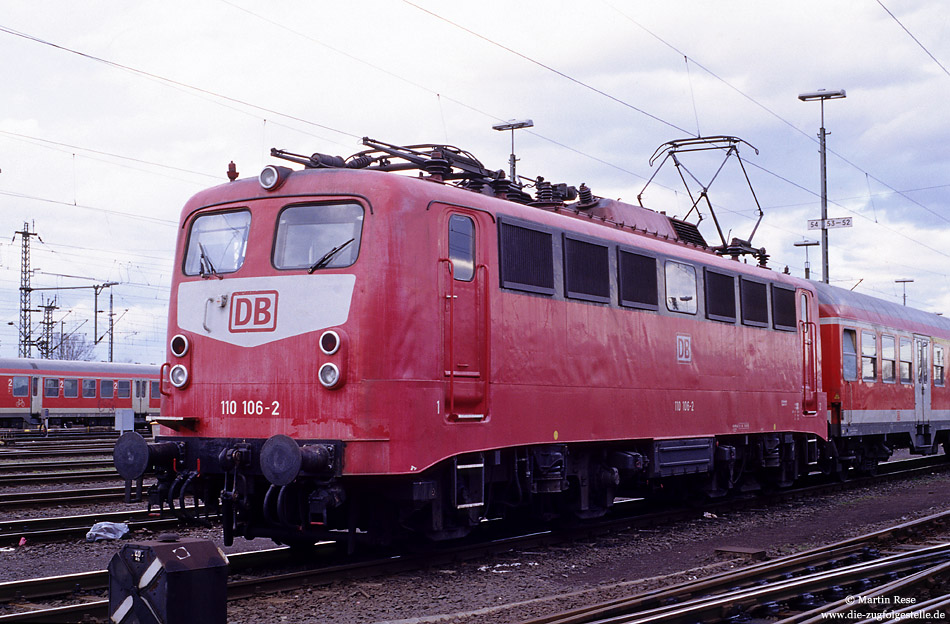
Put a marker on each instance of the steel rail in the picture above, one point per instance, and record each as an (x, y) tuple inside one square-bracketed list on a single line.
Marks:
[(768, 570), (866, 601), (61, 477), (25, 467), (47, 529), (17, 454), (250, 587), (42, 498)]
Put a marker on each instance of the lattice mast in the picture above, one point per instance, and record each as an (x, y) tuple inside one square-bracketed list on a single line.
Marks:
[(26, 319)]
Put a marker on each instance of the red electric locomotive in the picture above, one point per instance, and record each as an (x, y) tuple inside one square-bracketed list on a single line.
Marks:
[(61, 393), (355, 350)]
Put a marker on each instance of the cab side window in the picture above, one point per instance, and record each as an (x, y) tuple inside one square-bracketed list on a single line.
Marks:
[(462, 247)]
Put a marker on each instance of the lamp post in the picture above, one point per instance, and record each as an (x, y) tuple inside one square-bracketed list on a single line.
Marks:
[(904, 283), (806, 243), (822, 95), (513, 124)]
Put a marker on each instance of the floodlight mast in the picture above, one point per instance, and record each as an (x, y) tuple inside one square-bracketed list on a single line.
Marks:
[(513, 124), (806, 243), (821, 95), (904, 283)]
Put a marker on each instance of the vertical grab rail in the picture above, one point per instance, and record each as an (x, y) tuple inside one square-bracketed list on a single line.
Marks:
[(451, 331), (809, 367), (486, 335)]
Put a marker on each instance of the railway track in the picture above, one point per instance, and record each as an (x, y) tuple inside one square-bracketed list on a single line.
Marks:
[(855, 564), (799, 588), (44, 498), (13, 455), (76, 526), (72, 527), (26, 467), (69, 476), (629, 513)]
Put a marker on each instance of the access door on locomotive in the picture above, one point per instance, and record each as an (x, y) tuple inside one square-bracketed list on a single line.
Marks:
[(464, 292)]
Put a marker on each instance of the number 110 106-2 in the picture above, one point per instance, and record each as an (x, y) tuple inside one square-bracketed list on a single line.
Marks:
[(250, 408)]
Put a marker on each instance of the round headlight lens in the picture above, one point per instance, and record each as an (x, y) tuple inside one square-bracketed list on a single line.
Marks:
[(330, 342), (178, 376), (329, 375), (269, 177), (179, 345)]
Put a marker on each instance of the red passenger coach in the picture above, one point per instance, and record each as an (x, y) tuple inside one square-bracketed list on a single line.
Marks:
[(55, 393), (885, 375), (351, 349)]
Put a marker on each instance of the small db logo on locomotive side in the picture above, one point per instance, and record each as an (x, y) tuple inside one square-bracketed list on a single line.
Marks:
[(684, 351), (253, 311)]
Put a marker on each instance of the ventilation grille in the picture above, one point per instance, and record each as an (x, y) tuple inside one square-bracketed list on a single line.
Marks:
[(688, 233)]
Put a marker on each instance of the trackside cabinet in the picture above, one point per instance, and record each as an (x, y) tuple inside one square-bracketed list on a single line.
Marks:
[(172, 581)]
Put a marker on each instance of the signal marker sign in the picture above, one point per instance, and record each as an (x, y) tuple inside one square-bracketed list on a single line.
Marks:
[(840, 222)]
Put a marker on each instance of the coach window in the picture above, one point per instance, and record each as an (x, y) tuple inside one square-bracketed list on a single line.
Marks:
[(586, 270), (849, 355), (754, 298), (868, 356), (106, 388), (88, 388), (21, 386), (638, 283), (156, 390), (318, 236), (51, 387), (720, 296), (123, 389), (888, 359), (71, 388), (680, 288), (217, 242), (527, 258), (906, 361), (939, 379), (462, 247)]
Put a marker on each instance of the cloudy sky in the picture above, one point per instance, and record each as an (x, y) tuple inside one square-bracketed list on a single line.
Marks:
[(113, 113)]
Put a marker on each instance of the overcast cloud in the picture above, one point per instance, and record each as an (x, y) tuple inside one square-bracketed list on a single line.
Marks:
[(113, 113)]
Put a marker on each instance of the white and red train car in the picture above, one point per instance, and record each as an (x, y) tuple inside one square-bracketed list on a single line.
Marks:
[(351, 349), (884, 375), (62, 393)]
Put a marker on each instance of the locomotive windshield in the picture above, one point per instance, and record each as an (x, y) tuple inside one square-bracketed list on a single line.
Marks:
[(217, 243), (317, 236)]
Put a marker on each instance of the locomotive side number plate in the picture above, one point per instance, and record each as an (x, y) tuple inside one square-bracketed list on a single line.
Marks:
[(250, 408)]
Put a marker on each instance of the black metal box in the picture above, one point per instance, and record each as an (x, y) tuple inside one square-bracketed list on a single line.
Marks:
[(173, 581)]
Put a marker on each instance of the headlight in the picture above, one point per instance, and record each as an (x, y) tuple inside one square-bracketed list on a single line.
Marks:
[(272, 177), (178, 376), (330, 342), (179, 345), (329, 375)]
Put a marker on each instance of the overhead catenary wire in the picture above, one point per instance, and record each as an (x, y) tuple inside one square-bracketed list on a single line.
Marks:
[(602, 160)]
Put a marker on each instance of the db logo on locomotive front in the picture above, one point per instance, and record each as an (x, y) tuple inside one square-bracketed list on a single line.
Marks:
[(253, 311)]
